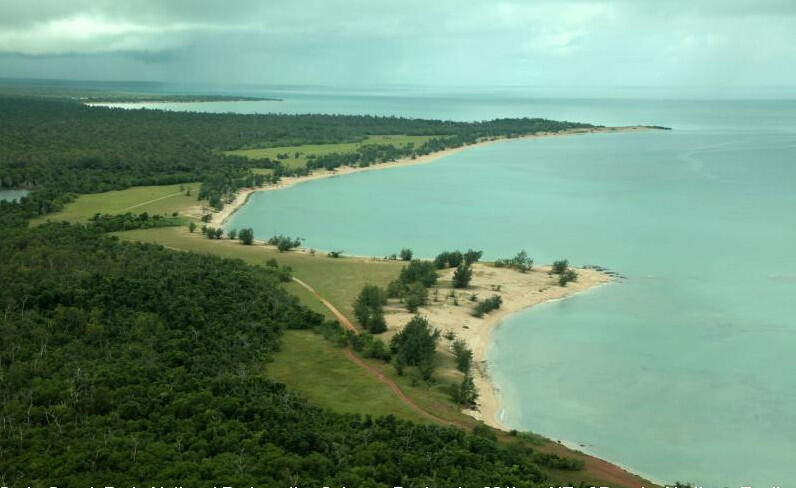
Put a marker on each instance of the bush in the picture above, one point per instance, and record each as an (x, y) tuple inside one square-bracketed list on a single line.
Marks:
[(465, 393), (567, 276), (232, 234), (487, 306), (521, 262), (406, 254), (472, 256), (448, 259), (335, 254), (284, 243), (368, 308), (415, 296), (560, 266), (415, 344), (464, 356), (420, 271), (462, 276), (246, 236)]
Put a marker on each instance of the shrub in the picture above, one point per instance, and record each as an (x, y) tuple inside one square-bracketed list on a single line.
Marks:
[(406, 254), (560, 266), (415, 296), (462, 276), (368, 308), (420, 271), (521, 262), (284, 243), (567, 276), (246, 236), (487, 306), (464, 356), (472, 256)]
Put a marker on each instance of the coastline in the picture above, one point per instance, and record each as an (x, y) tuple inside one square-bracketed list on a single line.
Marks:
[(518, 291), (220, 217)]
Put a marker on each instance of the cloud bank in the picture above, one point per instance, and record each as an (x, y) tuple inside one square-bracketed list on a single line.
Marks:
[(557, 43)]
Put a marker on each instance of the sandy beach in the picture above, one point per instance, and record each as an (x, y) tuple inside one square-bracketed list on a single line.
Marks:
[(518, 291), (220, 217)]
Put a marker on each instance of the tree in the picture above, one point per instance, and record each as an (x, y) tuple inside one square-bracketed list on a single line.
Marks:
[(368, 308), (415, 296), (422, 271), (464, 356), (560, 266), (191, 227), (406, 254), (465, 393), (416, 342), (219, 233), (472, 256), (232, 234), (246, 236), (284, 243), (462, 276)]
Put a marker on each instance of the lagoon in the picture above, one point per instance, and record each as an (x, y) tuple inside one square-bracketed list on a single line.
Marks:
[(683, 371)]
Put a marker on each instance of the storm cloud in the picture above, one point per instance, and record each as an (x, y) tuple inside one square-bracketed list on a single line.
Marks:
[(441, 42)]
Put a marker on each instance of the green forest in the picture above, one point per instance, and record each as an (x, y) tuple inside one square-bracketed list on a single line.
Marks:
[(60, 147), (127, 363)]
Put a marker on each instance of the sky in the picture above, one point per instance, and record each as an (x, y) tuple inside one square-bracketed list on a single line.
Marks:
[(710, 44)]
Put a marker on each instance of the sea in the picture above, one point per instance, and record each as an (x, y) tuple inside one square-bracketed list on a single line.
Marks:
[(682, 370)]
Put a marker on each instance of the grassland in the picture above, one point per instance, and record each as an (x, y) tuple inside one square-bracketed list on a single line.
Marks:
[(309, 364), (337, 280), (160, 200), (297, 155)]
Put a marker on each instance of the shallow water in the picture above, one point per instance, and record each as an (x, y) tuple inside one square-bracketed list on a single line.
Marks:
[(684, 371)]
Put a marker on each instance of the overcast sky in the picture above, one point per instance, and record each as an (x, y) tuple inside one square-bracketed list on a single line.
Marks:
[(673, 43)]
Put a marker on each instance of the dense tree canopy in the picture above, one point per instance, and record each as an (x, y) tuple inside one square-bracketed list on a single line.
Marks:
[(130, 363), (66, 147)]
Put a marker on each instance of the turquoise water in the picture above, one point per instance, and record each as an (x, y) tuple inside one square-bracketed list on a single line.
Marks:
[(683, 371)]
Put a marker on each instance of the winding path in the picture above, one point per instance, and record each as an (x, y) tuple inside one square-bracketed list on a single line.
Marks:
[(605, 470), (374, 371)]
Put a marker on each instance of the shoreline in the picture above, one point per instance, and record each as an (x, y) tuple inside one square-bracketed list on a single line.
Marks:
[(519, 292), (489, 403), (220, 217)]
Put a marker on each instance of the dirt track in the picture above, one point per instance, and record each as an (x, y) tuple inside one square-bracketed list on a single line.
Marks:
[(598, 467)]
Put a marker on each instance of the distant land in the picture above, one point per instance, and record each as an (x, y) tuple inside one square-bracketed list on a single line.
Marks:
[(174, 99)]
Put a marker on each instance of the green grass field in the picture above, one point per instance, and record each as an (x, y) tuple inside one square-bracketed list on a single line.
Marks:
[(294, 161), (309, 364), (338, 280), (161, 200)]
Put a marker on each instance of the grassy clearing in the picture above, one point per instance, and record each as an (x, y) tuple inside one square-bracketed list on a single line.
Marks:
[(309, 364), (298, 154), (337, 280), (162, 200)]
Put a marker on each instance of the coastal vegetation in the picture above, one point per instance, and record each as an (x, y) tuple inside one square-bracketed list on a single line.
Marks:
[(462, 276), (485, 306), (415, 345), (141, 316), (369, 309), (521, 262), (75, 289), (61, 148)]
